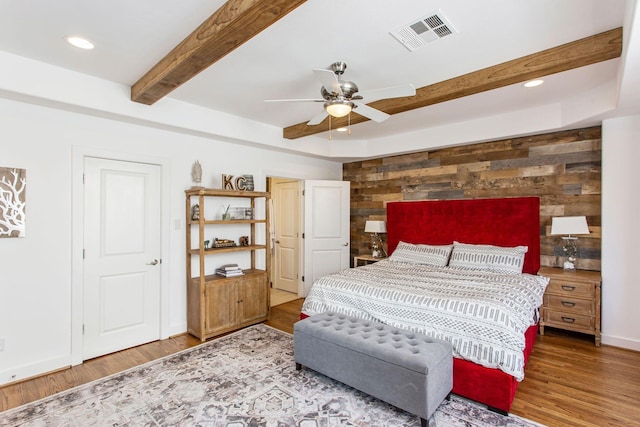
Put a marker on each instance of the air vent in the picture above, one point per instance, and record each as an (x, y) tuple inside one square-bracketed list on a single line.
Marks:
[(423, 31)]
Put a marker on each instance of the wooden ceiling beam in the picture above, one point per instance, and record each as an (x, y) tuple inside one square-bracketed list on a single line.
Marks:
[(229, 27), (587, 51)]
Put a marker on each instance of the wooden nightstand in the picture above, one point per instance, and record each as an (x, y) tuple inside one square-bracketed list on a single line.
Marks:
[(364, 260), (572, 301)]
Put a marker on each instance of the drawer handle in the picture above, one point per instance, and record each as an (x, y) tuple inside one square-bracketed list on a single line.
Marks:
[(568, 304), (568, 319), (568, 288)]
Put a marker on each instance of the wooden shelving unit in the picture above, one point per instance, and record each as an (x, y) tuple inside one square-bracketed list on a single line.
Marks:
[(217, 304)]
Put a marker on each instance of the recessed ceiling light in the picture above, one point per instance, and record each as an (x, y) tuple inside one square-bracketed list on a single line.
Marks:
[(79, 42), (533, 83), (342, 129)]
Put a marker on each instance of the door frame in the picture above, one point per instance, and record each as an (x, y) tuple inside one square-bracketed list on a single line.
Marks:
[(79, 153)]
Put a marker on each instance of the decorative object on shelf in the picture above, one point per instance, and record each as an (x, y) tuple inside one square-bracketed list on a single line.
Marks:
[(375, 227), (206, 244), (226, 215), (223, 243), (244, 240), (248, 186), (568, 227), (240, 183), (195, 212), (196, 174), (13, 183), (240, 213)]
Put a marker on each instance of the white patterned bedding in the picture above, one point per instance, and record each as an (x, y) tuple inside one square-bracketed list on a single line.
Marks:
[(484, 315)]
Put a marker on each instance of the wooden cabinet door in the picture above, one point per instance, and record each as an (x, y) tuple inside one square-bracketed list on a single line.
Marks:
[(253, 297), (221, 306)]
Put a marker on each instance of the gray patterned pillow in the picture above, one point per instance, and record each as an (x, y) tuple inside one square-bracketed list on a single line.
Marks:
[(497, 259), (437, 256)]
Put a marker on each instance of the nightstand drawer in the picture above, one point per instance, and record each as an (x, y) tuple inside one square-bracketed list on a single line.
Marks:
[(569, 304), (571, 289), (568, 320)]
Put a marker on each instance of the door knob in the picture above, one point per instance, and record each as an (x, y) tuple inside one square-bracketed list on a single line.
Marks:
[(346, 244), (154, 262), (278, 241)]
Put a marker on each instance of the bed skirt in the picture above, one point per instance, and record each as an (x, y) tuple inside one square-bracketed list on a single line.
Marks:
[(491, 387)]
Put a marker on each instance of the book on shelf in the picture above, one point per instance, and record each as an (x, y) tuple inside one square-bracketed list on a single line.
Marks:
[(230, 273), (229, 270)]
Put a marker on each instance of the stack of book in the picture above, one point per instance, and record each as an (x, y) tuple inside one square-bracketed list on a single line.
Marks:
[(229, 270)]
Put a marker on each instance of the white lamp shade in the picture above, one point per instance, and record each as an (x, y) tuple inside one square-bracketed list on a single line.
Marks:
[(569, 225), (375, 227)]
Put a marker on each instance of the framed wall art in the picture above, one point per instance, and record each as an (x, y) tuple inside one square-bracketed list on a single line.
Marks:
[(13, 183)]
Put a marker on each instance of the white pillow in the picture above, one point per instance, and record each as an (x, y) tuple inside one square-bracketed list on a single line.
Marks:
[(437, 256), (496, 259)]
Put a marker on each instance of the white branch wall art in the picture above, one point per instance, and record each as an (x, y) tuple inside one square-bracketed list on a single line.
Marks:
[(13, 183)]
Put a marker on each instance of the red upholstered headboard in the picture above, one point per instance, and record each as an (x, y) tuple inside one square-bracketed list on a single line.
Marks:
[(501, 222)]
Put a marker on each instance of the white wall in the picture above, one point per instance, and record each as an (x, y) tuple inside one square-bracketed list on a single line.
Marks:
[(36, 271), (620, 232)]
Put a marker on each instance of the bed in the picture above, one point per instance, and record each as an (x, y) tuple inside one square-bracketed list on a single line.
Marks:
[(401, 292)]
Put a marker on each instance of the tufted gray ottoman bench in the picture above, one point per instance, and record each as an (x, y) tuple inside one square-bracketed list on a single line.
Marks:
[(409, 370)]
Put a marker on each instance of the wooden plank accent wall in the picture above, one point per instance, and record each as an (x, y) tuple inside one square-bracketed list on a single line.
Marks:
[(564, 169)]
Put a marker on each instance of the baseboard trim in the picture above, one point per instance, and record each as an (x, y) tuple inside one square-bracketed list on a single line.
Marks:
[(43, 367), (620, 342)]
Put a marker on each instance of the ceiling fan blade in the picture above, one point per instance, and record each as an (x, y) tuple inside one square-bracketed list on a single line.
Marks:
[(329, 80), (370, 113), (388, 92), (294, 100), (318, 118)]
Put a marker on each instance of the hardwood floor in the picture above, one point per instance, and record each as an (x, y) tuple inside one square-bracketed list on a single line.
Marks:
[(569, 381)]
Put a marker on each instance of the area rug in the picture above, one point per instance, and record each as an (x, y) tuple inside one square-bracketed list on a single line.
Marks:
[(244, 379)]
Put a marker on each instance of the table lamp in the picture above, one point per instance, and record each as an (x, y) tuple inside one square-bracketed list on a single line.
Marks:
[(375, 227), (568, 227)]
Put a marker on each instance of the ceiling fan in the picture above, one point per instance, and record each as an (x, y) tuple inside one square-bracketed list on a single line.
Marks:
[(340, 97)]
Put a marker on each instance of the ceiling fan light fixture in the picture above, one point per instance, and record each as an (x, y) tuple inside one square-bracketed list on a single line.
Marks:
[(338, 107)]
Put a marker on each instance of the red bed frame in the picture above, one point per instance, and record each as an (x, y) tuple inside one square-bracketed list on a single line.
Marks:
[(501, 222)]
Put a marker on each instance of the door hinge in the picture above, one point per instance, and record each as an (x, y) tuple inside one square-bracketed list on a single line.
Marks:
[(83, 254), (303, 235), (83, 329), (83, 178), (303, 193), (303, 278)]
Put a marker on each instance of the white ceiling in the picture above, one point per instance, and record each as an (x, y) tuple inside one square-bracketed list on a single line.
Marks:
[(132, 36)]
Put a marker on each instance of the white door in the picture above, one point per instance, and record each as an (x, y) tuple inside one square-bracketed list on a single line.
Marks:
[(286, 206), (122, 255), (326, 229)]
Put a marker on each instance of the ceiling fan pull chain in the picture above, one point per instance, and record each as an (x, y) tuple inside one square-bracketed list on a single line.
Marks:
[(349, 124), (329, 127)]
